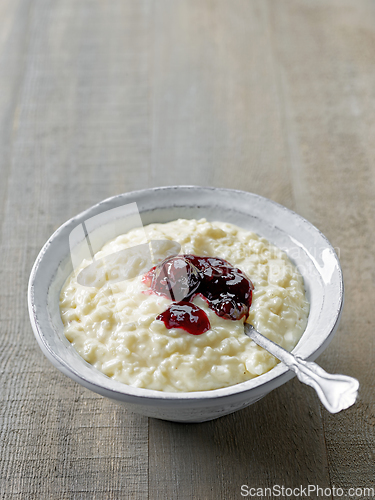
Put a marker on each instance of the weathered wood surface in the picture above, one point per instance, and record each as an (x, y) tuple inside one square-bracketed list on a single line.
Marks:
[(102, 97)]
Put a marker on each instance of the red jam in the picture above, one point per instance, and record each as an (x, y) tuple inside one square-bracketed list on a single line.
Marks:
[(187, 316), (226, 289)]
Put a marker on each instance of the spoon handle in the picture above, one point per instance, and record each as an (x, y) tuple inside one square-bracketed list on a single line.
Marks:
[(336, 392)]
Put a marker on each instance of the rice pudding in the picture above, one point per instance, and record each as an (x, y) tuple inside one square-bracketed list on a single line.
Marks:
[(114, 326)]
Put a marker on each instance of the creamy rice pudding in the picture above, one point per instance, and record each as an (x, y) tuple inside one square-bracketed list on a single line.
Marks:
[(113, 324)]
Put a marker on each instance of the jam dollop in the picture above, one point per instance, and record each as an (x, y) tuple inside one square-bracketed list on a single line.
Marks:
[(187, 316), (226, 289)]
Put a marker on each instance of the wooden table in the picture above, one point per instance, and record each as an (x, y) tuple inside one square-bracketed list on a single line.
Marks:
[(100, 97)]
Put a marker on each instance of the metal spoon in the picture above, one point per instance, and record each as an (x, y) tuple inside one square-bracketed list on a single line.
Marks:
[(336, 392)]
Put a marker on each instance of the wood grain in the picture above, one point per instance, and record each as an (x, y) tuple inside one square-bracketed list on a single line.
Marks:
[(332, 118), (100, 97), (59, 440)]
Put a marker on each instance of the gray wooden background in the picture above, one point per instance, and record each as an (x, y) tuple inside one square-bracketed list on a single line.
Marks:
[(99, 97)]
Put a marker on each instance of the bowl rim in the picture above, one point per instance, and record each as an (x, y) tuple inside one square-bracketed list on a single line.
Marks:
[(120, 391)]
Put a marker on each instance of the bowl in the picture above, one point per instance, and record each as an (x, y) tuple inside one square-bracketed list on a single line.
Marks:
[(306, 246)]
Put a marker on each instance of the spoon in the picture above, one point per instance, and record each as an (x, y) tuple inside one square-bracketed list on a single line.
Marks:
[(336, 392)]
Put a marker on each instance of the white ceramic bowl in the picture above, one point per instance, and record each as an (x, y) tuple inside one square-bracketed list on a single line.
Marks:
[(306, 246)]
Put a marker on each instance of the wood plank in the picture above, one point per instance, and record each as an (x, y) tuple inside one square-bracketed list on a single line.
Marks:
[(219, 111), (215, 104), (81, 108), (277, 441), (326, 53), (14, 17)]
